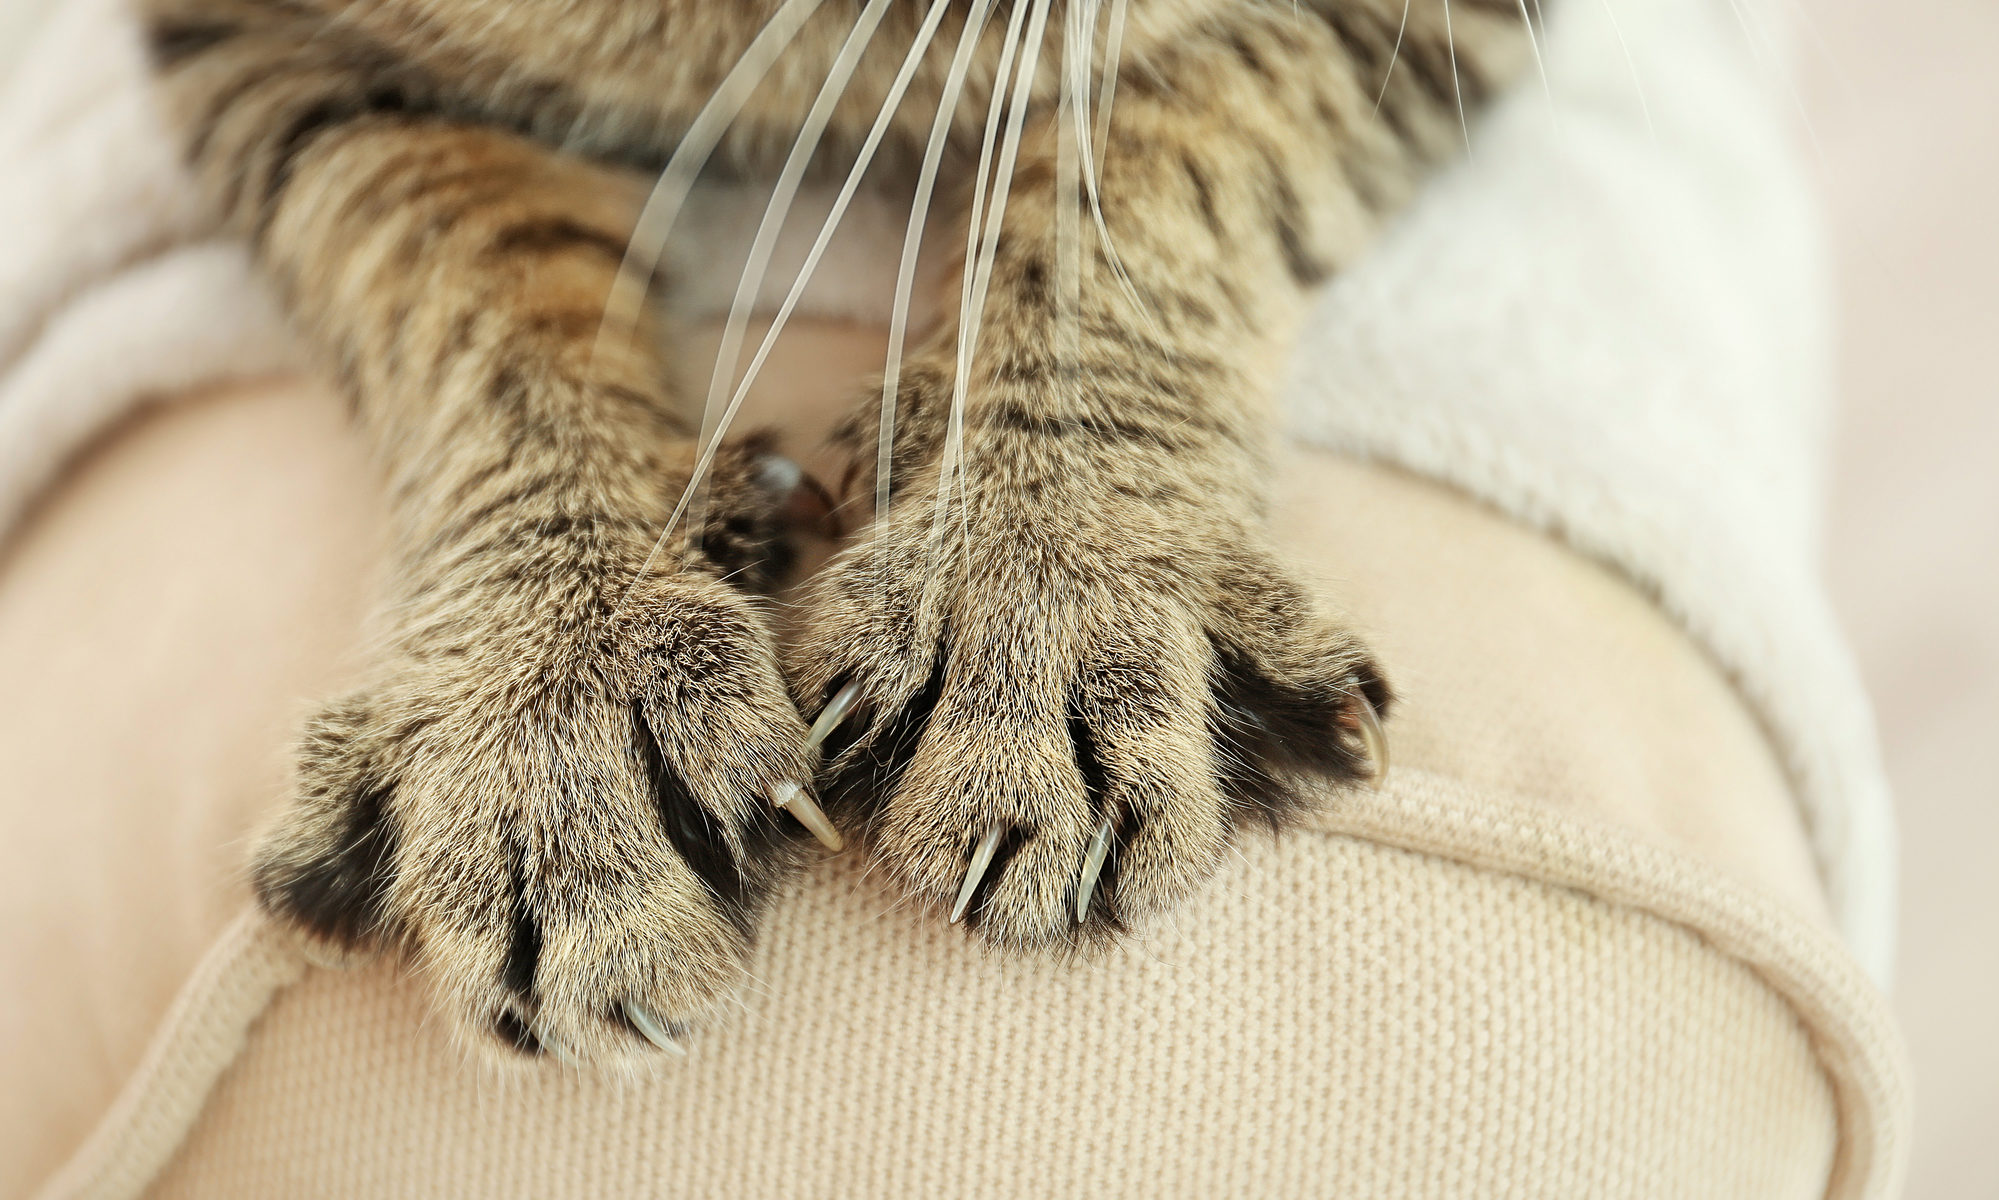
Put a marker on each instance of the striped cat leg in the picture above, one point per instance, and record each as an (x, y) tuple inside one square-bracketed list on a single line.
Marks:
[(558, 788), (1076, 665)]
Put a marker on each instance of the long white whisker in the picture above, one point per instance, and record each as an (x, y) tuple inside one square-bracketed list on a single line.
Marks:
[(1457, 84), (1547, 85), (1769, 58), (1113, 61), (761, 249), (1088, 145), (890, 105), (912, 244), (1631, 66), (1078, 43), (1394, 56), (1072, 130), (669, 194), (990, 184), (980, 267), (1841, 77), (974, 297), (1534, 43)]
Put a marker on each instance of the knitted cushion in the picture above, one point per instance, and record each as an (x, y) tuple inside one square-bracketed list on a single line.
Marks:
[(1574, 948)]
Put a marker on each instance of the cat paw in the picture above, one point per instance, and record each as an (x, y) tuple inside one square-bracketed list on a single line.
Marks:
[(1051, 729), (566, 814)]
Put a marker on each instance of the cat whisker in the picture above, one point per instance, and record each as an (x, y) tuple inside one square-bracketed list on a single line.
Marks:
[(1631, 68), (1534, 44), (647, 245), (1457, 81), (763, 246), (989, 203), (1395, 56), (841, 203), (1113, 62), (1071, 173), (912, 244), (1769, 58), (1093, 148)]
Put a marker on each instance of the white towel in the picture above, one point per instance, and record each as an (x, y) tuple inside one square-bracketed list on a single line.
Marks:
[(1610, 321)]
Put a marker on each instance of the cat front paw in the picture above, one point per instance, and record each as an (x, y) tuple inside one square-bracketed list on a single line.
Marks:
[(1053, 722), (571, 827)]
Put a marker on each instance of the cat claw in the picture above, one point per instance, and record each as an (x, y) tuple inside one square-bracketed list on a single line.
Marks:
[(1093, 866), (807, 504), (561, 1053), (982, 858), (836, 711), (316, 954), (1376, 741), (651, 1029), (779, 475), (794, 799)]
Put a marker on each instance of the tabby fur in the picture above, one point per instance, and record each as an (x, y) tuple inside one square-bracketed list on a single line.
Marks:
[(553, 790)]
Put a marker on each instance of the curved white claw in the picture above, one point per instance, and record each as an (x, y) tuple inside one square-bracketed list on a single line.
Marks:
[(982, 857), (562, 1053), (1376, 741), (653, 1031), (329, 959), (1093, 866), (835, 712), (794, 799)]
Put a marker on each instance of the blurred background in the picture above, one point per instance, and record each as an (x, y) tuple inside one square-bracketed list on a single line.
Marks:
[(1898, 105), (1903, 105)]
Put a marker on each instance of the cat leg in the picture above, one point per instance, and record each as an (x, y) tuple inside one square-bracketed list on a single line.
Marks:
[(1075, 666), (559, 787)]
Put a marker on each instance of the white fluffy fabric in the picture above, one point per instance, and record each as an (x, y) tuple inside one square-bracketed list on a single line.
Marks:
[(1610, 322)]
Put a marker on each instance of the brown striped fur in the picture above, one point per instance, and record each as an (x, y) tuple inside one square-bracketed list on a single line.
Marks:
[(553, 790)]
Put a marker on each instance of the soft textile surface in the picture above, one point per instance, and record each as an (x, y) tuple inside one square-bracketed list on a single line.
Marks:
[(1604, 325), (1430, 1030), (1607, 323), (1574, 948)]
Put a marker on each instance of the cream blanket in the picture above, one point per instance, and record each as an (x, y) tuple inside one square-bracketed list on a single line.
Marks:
[(1609, 322)]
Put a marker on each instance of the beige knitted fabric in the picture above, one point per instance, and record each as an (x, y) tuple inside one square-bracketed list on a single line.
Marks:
[(1574, 949), (1344, 1018)]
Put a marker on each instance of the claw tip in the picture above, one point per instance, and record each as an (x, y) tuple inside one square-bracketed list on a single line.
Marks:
[(1093, 867), (652, 1030), (982, 858), (1375, 739), (794, 799), (835, 712)]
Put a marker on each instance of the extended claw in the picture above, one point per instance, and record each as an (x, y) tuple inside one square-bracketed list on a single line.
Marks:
[(836, 711), (652, 1030), (794, 799), (327, 959), (1376, 741), (1093, 866), (807, 505), (982, 858), (779, 475), (561, 1053)]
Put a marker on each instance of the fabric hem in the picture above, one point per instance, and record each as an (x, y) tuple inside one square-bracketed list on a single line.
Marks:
[(1846, 1018)]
